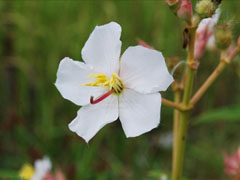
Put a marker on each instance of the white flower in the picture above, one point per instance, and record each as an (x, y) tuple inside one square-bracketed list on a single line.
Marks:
[(41, 168), (127, 87)]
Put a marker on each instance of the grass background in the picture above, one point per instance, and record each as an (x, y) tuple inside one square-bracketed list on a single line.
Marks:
[(36, 35)]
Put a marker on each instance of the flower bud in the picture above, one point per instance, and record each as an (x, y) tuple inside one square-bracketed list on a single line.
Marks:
[(223, 36), (185, 11), (205, 8), (142, 43), (232, 165), (201, 42), (195, 20)]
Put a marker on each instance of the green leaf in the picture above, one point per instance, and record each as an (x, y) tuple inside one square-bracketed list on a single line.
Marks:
[(225, 114)]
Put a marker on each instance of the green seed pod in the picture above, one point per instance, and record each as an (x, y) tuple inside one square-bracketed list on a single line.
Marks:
[(223, 36), (205, 8)]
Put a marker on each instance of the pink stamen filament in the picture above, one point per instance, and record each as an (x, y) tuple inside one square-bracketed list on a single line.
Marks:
[(99, 99)]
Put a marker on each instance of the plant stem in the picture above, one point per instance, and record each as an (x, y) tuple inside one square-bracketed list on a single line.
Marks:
[(221, 66), (184, 115), (176, 116), (171, 104)]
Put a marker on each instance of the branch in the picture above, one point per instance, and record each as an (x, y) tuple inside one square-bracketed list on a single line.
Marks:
[(221, 66), (171, 104)]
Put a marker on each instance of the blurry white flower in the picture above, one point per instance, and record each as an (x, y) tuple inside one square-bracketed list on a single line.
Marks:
[(205, 34), (166, 140), (41, 168), (163, 177), (126, 87)]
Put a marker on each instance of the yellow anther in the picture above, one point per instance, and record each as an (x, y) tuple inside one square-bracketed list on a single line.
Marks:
[(102, 80)]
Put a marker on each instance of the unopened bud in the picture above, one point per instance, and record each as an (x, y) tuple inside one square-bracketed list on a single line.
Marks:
[(223, 36), (205, 8), (174, 5), (195, 20), (232, 165), (185, 11), (142, 43)]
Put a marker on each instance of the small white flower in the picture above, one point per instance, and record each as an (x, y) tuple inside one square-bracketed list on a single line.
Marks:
[(41, 168), (126, 87)]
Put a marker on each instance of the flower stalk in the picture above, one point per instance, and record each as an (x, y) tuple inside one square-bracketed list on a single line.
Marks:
[(181, 114), (184, 115), (176, 116), (182, 111)]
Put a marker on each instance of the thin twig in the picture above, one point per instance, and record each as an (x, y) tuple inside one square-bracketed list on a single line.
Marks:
[(171, 104), (221, 66)]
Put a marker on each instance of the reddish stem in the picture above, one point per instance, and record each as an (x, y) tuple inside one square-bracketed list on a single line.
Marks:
[(99, 99), (234, 53)]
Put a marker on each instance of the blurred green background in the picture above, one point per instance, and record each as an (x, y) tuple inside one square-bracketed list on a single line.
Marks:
[(36, 35)]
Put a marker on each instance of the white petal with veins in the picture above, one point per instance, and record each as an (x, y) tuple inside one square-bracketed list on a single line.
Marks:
[(41, 168), (91, 118), (70, 75), (144, 70), (103, 47), (139, 113)]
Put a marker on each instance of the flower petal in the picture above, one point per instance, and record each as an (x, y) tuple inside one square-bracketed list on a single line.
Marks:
[(92, 118), (102, 49), (139, 113), (144, 70), (41, 168), (70, 75)]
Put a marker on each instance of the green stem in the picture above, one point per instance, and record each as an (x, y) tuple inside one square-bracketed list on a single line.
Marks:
[(176, 116), (184, 116)]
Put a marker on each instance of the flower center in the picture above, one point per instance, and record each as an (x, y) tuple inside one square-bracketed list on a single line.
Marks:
[(113, 84)]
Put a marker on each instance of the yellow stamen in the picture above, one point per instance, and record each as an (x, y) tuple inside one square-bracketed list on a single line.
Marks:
[(26, 172), (114, 82)]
